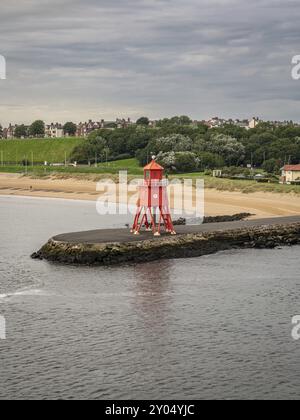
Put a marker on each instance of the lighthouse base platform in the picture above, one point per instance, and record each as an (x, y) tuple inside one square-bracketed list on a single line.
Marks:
[(119, 246)]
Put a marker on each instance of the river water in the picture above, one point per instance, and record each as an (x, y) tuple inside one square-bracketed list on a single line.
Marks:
[(218, 326)]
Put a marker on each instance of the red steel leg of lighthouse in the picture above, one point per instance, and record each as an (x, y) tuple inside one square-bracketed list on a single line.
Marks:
[(144, 221), (136, 220), (164, 216), (168, 220), (152, 221)]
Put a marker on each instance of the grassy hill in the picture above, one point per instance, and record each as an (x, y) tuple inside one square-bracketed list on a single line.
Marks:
[(38, 150)]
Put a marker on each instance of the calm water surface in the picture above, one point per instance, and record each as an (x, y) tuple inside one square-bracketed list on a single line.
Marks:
[(211, 327)]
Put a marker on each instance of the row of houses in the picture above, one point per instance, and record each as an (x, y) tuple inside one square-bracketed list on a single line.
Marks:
[(83, 129), (247, 124), (216, 122), (53, 130)]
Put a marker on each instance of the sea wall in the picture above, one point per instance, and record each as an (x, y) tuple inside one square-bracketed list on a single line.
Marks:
[(181, 246)]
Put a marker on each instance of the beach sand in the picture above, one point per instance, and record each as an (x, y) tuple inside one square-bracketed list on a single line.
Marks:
[(216, 202)]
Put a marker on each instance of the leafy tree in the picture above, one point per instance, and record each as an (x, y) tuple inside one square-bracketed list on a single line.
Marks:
[(200, 145), (232, 151), (178, 162), (202, 128), (182, 120), (37, 129), (186, 162), (212, 148), (290, 131), (139, 139), (143, 156), (175, 143), (111, 125), (175, 121), (272, 166), (91, 150), (99, 133), (143, 121), (209, 160), (1, 132), (70, 128), (232, 130), (167, 160), (186, 130), (118, 140), (21, 131)]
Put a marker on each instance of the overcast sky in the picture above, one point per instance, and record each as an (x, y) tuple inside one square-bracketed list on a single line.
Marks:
[(80, 59)]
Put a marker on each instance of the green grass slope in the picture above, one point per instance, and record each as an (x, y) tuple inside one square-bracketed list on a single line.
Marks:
[(38, 150)]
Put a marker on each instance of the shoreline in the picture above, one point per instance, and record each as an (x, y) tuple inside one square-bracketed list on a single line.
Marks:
[(34, 197), (260, 204)]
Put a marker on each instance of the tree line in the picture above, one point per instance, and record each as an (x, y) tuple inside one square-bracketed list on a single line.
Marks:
[(185, 147)]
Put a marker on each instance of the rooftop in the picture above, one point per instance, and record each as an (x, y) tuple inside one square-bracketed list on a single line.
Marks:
[(291, 168), (153, 166)]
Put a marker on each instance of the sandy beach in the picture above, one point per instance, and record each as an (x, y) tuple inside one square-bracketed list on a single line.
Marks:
[(216, 202)]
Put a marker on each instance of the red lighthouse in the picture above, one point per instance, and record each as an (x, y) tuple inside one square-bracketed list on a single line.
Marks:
[(153, 209)]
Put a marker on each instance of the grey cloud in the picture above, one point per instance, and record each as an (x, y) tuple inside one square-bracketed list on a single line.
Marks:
[(78, 59)]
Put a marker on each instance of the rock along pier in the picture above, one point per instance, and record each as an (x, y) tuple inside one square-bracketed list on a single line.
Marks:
[(119, 246)]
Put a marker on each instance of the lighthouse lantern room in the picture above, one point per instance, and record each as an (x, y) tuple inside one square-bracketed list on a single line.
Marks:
[(153, 211)]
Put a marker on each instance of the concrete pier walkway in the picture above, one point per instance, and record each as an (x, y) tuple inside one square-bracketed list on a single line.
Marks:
[(119, 246), (107, 236)]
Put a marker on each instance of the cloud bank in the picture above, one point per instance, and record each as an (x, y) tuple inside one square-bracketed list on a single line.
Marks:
[(75, 59)]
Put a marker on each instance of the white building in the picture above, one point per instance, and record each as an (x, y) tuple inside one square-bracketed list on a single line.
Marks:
[(54, 131), (290, 173), (254, 122)]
